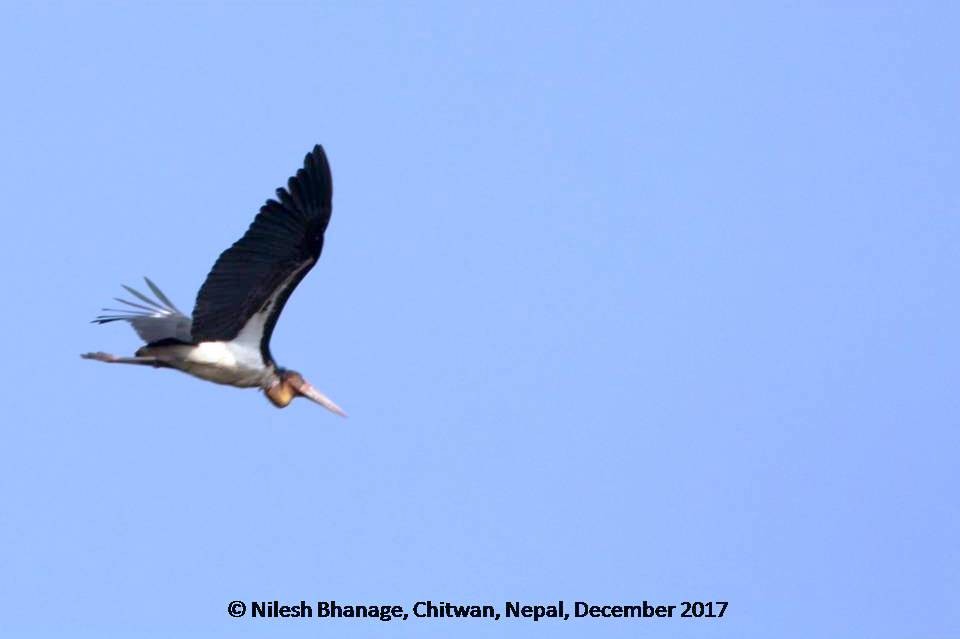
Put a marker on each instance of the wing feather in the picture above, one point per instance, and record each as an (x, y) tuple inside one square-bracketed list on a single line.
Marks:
[(277, 251), (159, 321)]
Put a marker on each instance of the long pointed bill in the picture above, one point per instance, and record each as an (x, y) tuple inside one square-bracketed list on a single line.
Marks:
[(310, 392)]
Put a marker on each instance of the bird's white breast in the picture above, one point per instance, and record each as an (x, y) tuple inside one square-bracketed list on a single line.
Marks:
[(237, 362)]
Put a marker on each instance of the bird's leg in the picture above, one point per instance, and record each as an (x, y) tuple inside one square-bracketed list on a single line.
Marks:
[(115, 359)]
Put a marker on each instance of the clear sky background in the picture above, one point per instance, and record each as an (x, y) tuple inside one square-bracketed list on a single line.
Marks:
[(626, 302)]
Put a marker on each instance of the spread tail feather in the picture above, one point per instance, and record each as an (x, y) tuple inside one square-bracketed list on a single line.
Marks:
[(154, 319)]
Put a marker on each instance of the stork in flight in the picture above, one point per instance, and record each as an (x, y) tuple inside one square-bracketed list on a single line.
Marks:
[(227, 340)]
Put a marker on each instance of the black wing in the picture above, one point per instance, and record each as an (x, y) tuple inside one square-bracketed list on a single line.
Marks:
[(277, 251)]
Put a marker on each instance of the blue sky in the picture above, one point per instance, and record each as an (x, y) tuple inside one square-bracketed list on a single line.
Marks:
[(626, 302)]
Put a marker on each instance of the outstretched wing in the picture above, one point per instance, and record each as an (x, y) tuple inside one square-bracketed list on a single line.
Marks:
[(256, 275), (154, 320)]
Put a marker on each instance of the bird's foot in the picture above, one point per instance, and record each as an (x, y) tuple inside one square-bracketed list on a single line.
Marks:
[(100, 356), (116, 359)]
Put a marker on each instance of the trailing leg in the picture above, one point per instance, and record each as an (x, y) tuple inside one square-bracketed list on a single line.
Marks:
[(116, 359)]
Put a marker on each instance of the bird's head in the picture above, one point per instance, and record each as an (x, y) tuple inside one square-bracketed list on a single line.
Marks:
[(291, 384)]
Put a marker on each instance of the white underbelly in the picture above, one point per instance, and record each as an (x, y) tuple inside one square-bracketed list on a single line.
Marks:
[(236, 376), (221, 362)]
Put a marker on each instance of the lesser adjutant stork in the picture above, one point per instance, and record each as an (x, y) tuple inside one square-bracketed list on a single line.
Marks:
[(227, 339)]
